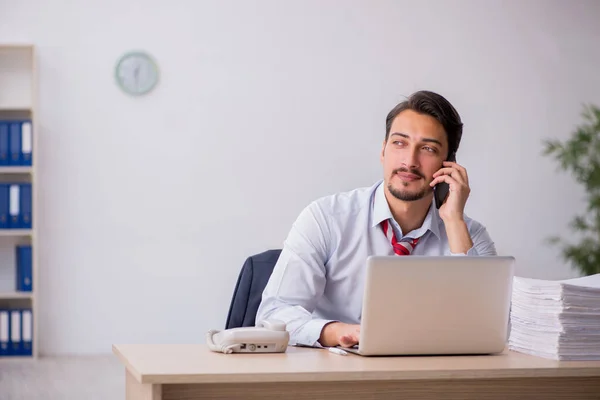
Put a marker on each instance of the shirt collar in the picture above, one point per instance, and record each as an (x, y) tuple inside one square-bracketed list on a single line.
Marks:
[(381, 211)]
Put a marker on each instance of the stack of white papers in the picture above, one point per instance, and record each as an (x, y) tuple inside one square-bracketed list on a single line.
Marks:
[(556, 319)]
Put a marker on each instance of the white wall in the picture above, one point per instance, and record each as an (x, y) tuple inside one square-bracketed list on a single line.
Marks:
[(149, 206)]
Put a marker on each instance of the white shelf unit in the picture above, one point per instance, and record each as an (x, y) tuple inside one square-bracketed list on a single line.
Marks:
[(18, 100)]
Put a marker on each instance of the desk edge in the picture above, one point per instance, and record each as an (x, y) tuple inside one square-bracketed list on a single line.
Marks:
[(369, 376), (136, 374)]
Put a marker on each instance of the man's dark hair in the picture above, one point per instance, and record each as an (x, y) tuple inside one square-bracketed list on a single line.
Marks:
[(435, 105)]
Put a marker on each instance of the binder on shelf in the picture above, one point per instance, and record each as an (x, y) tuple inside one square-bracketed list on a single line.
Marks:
[(4, 206), (19, 142), (4, 333), (14, 218), (25, 206), (26, 143), (16, 206), (24, 261), (27, 332), (15, 332), (15, 143), (4, 143)]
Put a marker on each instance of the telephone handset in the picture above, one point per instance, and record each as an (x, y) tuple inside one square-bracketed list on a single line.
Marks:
[(442, 189), (269, 336)]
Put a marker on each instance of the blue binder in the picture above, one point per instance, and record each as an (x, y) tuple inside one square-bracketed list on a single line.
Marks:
[(14, 218), (4, 143), (25, 206), (27, 332), (15, 143), (26, 143), (24, 271), (5, 348), (16, 333), (4, 204)]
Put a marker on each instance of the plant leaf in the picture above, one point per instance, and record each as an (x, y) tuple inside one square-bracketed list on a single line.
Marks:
[(580, 156)]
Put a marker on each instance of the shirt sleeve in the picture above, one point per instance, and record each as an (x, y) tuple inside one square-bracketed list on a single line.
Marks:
[(298, 279), (483, 245)]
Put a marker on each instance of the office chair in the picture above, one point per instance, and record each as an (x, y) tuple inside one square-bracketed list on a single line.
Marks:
[(250, 285)]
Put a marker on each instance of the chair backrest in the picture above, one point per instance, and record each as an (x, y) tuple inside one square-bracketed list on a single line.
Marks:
[(250, 285)]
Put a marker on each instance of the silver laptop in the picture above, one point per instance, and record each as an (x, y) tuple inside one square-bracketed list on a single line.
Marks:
[(422, 305)]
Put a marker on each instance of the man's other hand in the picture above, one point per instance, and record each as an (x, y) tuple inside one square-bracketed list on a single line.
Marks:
[(339, 333)]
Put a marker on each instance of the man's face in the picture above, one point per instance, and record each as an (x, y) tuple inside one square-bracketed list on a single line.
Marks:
[(415, 149)]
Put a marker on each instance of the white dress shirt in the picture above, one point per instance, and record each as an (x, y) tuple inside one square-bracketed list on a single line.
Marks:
[(319, 277)]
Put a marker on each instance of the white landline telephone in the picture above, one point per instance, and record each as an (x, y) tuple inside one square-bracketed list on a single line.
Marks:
[(268, 336)]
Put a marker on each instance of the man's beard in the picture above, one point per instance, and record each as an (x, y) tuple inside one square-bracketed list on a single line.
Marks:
[(406, 195)]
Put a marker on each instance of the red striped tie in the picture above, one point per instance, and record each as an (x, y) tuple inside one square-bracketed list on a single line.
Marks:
[(400, 248)]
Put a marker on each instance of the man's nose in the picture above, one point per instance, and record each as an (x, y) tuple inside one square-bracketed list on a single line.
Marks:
[(411, 158)]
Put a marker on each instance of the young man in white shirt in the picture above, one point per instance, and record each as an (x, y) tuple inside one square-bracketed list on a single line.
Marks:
[(317, 284)]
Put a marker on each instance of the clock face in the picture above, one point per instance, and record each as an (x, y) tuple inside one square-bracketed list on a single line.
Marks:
[(136, 73)]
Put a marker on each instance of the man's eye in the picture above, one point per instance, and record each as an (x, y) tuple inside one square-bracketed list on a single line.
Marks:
[(431, 149)]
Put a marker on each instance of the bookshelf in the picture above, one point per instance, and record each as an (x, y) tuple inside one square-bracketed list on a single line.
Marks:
[(18, 102)]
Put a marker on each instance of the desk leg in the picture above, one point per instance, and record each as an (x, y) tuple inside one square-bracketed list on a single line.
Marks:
[(135, 390)]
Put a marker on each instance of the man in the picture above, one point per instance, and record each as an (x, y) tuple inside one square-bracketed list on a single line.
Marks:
[(317, 284)]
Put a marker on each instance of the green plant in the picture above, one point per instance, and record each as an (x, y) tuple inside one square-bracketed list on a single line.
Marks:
[(580, 155)]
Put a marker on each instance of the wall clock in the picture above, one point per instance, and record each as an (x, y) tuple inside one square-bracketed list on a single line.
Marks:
[(136, 73)]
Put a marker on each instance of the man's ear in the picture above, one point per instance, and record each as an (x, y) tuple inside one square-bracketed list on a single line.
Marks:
[(382, 151)]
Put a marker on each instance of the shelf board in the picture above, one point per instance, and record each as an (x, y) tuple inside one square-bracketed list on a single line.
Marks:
[(4, 108), (16, 232), (15, 170), (16, 359), (16, 295), (16, 46), (15, 113)]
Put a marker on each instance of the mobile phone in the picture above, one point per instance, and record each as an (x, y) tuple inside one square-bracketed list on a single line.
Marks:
[(442, 189)]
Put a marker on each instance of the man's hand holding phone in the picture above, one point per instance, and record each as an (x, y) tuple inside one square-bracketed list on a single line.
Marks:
[(452, 211), (456, 177), (340, 334)]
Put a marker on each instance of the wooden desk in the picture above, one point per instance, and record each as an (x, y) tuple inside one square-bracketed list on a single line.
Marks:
[(168, 372)]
